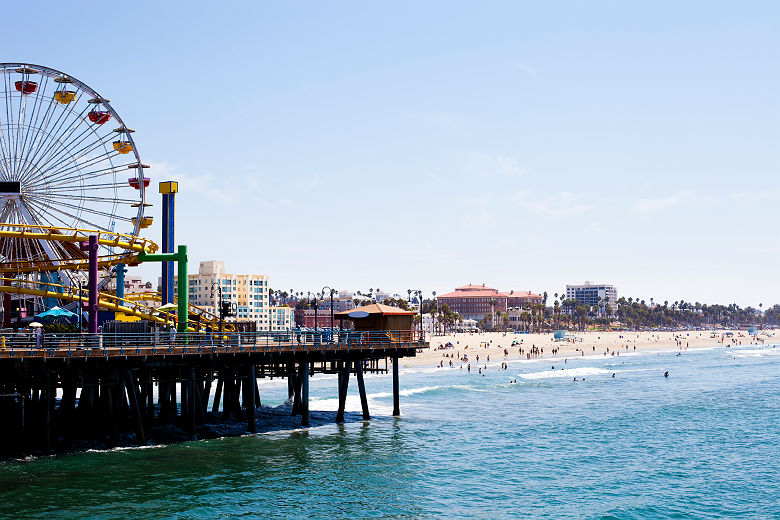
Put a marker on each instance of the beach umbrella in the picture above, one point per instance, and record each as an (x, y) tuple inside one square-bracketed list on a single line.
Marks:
[(35, 325), (55, 312)]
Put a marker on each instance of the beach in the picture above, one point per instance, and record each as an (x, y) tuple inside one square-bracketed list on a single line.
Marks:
[(487, 348)]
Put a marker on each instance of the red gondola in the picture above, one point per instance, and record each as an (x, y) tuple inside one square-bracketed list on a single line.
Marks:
[(99, 117), (26, 87), (134, 182)]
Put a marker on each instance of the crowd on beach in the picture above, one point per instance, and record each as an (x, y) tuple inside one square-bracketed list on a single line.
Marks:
[(473, 351)]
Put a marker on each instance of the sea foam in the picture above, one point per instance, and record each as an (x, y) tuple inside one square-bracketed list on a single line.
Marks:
[(566, 373)]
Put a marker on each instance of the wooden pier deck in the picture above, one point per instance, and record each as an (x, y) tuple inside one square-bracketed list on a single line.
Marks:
[(108, 383)]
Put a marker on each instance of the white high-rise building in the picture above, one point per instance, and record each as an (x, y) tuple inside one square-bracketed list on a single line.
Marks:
[(249, 293), (593, 294)]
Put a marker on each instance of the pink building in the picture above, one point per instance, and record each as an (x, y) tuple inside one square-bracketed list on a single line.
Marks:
[(475, 301)]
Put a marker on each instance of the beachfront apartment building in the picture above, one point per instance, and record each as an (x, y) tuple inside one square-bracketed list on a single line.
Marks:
[(593, 294), (282, 318), (477, 301), (247, 292), (381, 296)]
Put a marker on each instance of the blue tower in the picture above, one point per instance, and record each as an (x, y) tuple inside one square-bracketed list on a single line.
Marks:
[(168, 189)]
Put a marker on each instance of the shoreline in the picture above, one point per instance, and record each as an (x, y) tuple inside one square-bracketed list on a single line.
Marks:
[(489, 348)]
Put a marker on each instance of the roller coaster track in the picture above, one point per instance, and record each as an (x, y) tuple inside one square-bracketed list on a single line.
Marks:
[(206, 317), (109, 302), (131, 246)]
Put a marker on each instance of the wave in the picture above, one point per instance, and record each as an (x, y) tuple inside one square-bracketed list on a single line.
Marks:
[(407, 392), (567, 373), (761, 352)]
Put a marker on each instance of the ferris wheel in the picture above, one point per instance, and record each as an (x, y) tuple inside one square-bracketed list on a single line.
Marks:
[(68, 163)]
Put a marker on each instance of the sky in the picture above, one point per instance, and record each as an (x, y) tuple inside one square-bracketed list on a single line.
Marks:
[(426, 145)]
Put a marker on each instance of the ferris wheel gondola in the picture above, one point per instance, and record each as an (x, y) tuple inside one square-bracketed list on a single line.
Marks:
[(62, 165)]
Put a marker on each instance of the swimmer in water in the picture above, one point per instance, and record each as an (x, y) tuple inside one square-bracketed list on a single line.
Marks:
[(666, 374)]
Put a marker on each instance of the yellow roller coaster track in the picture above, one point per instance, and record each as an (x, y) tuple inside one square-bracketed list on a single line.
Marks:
[(107, 301), (131, 245), (206, 316)]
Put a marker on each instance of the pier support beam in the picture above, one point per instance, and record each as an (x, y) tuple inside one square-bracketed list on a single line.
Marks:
[(296, 408), (362, 389), (343, 385), (249, 393), (191, 405), (135, 409), (305, 393), (49, 404), (217, 394), (396, 404)]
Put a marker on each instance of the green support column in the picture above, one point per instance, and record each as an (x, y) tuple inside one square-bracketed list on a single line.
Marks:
[(184, 290), (180, 257)]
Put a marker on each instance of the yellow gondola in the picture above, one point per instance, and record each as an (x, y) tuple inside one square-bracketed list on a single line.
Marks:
[(145, 222), (123, 146), (64, 96)]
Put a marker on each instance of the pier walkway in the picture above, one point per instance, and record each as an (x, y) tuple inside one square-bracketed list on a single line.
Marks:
[(26, 345)]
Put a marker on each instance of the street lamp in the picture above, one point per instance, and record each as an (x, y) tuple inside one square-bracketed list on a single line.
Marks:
[(315, 309), (331, 306), (219, 303), (418, 293)]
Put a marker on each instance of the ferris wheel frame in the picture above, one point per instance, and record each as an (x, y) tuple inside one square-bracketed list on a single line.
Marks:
[(36, 146)]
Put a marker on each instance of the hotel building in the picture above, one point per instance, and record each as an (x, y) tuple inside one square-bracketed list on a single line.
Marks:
[(476, 301), (249, 293), (593, 294)]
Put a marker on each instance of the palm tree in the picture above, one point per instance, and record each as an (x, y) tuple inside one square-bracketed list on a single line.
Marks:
[(437, 307), (493, 303)]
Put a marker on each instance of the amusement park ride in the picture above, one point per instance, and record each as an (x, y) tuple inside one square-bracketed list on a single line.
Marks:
[(73, 200), (73, 205)]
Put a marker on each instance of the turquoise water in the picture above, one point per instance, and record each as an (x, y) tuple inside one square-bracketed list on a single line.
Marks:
[(702, 443)]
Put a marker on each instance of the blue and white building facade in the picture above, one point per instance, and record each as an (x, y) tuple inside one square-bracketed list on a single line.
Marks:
[(593, 294)]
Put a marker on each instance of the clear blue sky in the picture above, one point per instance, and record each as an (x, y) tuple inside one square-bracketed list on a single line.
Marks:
[(431, 144)]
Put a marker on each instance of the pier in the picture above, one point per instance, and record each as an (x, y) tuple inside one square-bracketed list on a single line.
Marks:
[(84, 386)]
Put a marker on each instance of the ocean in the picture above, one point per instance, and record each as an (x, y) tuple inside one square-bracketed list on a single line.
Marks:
[(701, 443)]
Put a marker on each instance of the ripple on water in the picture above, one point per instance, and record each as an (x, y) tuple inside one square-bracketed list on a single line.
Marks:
[(702, 443)]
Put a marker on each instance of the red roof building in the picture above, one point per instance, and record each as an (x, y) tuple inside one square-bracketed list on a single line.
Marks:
[(476, 301)]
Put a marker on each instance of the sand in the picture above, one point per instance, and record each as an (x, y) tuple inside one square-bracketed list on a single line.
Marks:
[(586, 344)]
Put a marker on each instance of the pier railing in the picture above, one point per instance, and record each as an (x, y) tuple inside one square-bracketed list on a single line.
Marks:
[(26, 344)]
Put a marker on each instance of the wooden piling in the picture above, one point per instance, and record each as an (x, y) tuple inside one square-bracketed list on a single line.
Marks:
[(343, 390), (135, 409), (250, 393), (217, 395), (190, 402), (362, 389), (48, 411), (396, 400), (296, 408), (305, 393)]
